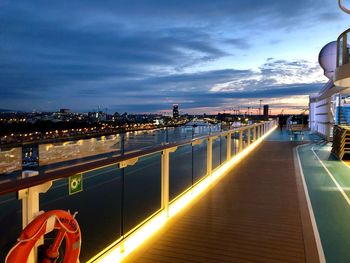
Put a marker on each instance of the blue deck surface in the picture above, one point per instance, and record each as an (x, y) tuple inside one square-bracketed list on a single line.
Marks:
[(326, 178), (331, 208), (285, 135)]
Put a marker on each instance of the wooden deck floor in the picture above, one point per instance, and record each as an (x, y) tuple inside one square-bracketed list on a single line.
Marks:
[(256, 213)]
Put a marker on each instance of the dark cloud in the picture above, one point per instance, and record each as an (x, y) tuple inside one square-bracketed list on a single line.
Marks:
[(240, 43), (94, 12), (88, 52)]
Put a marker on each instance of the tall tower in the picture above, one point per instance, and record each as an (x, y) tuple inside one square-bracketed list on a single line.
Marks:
[(176, 111), (266, 112)]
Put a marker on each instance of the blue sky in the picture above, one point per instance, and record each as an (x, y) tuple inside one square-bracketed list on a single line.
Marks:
[(143, 56)]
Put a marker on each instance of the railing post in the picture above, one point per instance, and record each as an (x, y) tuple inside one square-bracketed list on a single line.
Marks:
[(30, 208), (249, 136), (209, 155), (240, 145), (254, 133), (228, 145), (165, 181), (165, 178), (264, 128)]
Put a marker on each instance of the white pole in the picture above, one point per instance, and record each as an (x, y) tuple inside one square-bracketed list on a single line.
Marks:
[(30, 207)]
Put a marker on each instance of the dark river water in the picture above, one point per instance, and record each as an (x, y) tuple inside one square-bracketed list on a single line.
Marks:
[(113, 200)]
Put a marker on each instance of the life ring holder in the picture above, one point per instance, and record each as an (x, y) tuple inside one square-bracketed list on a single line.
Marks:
[(68, 229)]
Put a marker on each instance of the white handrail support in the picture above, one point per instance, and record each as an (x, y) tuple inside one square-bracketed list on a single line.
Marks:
[(165, 178), (30, 208)]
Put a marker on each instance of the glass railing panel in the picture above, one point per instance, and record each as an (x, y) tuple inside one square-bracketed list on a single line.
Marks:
[(10, 160), (180, 133), (188, 132), (143, 139), (10, 222), (180, 177), (252, 135), (223, 149), (340, 51), (174, 134), (200, 160), (201, 130), (170, 134), (30, 156), (213, 129), (142, 190), (216, 153), (245, 139), (347, 48), (98, 207), (256, 133), (163, 135), (79, 151)]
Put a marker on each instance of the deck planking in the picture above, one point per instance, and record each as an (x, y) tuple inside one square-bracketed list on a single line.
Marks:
[(256, 213)]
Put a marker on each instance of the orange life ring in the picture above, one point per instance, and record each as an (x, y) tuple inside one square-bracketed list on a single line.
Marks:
[(68, 229)]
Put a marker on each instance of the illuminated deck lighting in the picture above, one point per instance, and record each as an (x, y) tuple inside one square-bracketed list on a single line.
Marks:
[(119, 250)]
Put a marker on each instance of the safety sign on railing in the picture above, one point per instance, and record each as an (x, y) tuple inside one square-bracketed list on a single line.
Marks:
[(75, 183)]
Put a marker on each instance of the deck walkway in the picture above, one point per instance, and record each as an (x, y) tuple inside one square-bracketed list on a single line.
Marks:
[(257, 213)]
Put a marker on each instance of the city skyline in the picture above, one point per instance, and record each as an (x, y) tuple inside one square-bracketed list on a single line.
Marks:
[(145, 56)]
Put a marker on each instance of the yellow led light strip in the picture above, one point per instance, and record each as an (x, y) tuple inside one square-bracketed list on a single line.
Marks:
[(121, 250)]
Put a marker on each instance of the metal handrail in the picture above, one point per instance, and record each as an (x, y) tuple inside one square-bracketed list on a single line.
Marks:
[(345, 41), (343, 33), (33, 184), (342, 7), (50, 175)]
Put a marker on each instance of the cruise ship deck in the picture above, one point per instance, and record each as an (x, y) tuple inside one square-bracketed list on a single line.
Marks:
[(257, 213), (148, 187), (265, 195)]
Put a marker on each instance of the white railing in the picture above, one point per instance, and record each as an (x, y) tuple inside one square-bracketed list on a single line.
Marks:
[(134, 188)]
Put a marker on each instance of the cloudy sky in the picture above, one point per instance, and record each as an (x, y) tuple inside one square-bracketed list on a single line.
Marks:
[(145, 55)]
